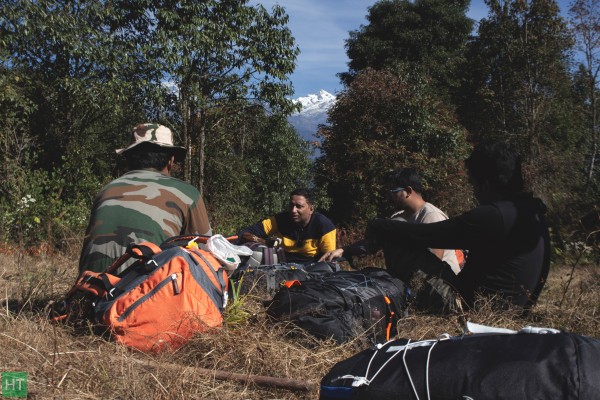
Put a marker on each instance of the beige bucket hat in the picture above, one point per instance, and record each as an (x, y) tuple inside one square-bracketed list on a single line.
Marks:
[(156, 134)]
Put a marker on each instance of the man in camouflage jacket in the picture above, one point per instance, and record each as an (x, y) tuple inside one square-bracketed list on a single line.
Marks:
[(145, 204)]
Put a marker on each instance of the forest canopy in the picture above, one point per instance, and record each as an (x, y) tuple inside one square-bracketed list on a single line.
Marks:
[(424, 83)]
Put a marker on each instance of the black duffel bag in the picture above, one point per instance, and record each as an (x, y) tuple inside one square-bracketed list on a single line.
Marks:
[(480, 366), (343, 305)]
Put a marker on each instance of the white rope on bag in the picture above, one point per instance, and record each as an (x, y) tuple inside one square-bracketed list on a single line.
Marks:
[(365, 381), (427, 370), (408, 372), (362, 380), (402, 349)]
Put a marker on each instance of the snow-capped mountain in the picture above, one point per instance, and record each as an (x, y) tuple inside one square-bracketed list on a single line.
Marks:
[(314, 112)]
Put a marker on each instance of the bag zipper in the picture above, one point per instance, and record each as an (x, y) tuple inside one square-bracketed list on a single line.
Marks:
[(145, 297), (175, 284)]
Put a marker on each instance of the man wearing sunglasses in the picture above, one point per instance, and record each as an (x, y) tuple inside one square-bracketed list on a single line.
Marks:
[(405, 191), (406, 194), (506, 235)]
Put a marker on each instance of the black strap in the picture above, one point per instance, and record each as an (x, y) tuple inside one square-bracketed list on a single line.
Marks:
[(216, 273), (281, 256), (94, 281)]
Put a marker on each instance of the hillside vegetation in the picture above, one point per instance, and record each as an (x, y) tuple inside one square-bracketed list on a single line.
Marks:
[(76, 76)]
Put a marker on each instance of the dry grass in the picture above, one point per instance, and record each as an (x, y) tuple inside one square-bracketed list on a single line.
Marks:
[(66, 363)]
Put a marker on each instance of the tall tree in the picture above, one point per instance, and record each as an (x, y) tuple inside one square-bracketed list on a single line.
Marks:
[(73, 56), (426, 34), (518, 74), (385, 120), (254, 161), (222, 55), (69, 60), (585, 21), (518, 89)]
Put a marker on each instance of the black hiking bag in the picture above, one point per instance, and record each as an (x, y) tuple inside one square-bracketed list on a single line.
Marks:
[(479, 366), (265, 280), (343, 305)]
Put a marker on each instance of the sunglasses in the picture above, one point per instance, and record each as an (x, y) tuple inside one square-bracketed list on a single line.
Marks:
[(396, 190)]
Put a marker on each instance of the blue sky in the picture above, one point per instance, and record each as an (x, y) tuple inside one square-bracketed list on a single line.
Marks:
[(321, 27)]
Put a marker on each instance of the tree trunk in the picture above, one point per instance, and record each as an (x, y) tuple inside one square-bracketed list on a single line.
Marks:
[(592, 163), (187, 138), (200, 128)]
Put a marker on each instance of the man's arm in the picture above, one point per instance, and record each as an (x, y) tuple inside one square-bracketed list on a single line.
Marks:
[(257, 232), (197, 221), (327, 243), (462, 232), (359, 248), (431, 217)]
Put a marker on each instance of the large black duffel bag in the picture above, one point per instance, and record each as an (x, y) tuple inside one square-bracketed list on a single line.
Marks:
[(343, 304), (480, 366)]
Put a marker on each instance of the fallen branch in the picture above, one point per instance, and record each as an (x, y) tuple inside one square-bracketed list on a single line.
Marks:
[(259, 380)]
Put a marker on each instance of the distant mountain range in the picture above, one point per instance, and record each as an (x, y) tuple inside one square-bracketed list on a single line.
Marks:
[(314, 112)]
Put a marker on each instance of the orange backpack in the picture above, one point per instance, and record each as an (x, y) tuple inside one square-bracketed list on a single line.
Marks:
[(159, 301)]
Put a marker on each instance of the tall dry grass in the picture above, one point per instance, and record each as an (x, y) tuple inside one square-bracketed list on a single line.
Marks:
[(68, 363)]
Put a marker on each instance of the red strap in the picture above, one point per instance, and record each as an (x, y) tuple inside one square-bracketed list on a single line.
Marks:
[(289, 284), (143, 250), (460, 257)]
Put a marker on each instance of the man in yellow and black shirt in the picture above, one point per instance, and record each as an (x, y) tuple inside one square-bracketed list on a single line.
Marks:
[(305, 234)]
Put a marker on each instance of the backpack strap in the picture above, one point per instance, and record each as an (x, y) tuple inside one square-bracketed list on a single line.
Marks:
[(281, 259), (143, 250), (218, 276), (182, 240), (267, 256), (139, 251)]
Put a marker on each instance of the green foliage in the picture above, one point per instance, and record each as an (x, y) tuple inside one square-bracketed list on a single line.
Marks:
[(519, 72), (387, 120), (78, 74), (46, 206), (426, 34), (518, 90), (223, 56), (253, 163), (404, 66), (237, 311), (75, 76)]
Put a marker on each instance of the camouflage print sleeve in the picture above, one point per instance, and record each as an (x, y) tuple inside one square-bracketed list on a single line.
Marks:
[(197, 220)]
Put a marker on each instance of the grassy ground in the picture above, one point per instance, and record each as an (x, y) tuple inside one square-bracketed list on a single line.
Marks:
[(67, 363)]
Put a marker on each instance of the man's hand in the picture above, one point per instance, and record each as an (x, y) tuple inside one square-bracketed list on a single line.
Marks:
[(249, 237), (330, 255)]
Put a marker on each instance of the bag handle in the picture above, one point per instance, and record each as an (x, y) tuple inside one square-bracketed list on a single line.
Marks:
[(139, 251)]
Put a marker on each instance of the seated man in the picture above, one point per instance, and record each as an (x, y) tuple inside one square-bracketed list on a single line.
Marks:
[(406, 192), (305, 234), (145, 204), (506, 235)]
